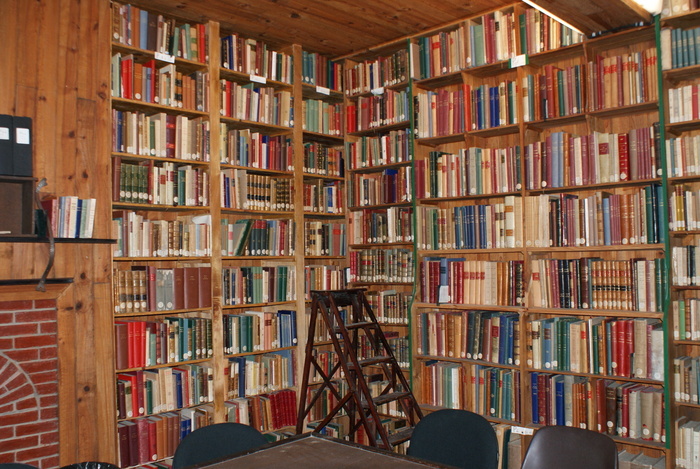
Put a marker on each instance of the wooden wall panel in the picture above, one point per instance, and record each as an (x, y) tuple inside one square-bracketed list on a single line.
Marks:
[(55, 58)]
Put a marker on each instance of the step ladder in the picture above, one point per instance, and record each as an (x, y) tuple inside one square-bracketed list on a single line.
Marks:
[(346, 332)]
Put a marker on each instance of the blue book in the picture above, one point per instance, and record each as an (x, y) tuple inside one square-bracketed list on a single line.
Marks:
[(696, 45), (494, 118), (535, 393), (547, 338), (482, 238), (556, 163), (177, 376), (471, 227), (559, 414), (185, 426), (143, 30), (606, 222)]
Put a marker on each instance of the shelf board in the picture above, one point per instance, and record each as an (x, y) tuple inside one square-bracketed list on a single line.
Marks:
[(134, 157), (381, 128), (136, 105), (382, 167), (325, 138)]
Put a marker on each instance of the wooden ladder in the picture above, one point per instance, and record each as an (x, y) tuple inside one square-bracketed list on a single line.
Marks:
[(356, 400)]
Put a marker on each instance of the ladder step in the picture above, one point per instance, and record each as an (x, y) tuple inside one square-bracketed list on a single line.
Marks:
[(359, 325), (389, 397), (374, 361), (401, 435)]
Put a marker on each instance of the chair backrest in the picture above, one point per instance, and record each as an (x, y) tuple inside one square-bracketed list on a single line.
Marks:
[(90, 465), (455, 437), (214, 442), (570, 447), (16, 465)]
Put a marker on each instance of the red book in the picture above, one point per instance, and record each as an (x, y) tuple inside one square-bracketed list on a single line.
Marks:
[(121, 345), (623, 151), (191, 287), (205, 294)]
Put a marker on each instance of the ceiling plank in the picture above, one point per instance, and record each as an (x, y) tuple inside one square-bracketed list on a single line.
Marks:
[(592, 16)]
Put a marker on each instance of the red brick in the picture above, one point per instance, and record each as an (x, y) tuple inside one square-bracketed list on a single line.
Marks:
[(46, 388), (48, 352), (36, 341), (50, 437), (16, 305), (9, 371), (15, 383), (7, 432), (7, 344), (23, 417), (23, 355), (48, 400), (7, 408), (40, 366), (45, 304), (49, 413), (7, 317), (35, 453), (44, 377), (19, 443), (37, 428), (36, 316), (26, 403), (48, 462), (7, 457), (15, 394), (48, 327), (18, 329)]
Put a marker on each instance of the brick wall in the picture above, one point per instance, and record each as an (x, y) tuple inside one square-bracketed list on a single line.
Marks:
[(28, 383)]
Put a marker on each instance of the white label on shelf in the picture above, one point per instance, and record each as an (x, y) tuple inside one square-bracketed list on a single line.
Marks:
[(444, 294), (521, 430), (378, 91), (165, 57), (518, 61), (258, 79), (323, 90), (22, 136), (4, 133)]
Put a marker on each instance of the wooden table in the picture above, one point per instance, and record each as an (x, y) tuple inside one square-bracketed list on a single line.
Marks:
[(312, 451)]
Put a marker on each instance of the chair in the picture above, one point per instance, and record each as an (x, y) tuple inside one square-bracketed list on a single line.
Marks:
[(570, 447), (214, 442), (455, 437), (16, 465), (90, 465)]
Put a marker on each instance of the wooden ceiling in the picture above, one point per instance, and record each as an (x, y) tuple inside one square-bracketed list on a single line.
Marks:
[(337, 27)]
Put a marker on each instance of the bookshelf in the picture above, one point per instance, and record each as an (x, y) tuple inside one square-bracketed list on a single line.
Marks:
[(680, 74)]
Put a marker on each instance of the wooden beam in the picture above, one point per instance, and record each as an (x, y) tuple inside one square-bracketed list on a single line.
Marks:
[(591, 16)]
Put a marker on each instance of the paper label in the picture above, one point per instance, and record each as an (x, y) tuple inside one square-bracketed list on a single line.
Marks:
[(323, 90), (378, 91), (165, 57), (22, 136), (4, 133), (521, 430), (258, 79), (518, 61)]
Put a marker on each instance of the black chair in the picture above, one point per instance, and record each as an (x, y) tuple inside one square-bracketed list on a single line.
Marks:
[(16, 465), (91, 465), (570, 447), (455, 437), (214, 442)]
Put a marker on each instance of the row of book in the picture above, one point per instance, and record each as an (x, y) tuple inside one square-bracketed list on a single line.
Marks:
[(679, 48), (324, 277), (323, 160), (370, 151), (683, 209), (266, 412), (253, 237), (154, 438), (251, 149), (683, 156), (476, 282), (142, 289), (400, 348), (683, 103), (141, 344), (165, 389), (326, 401), (553, 93), (255, 103), (595, 283), (160, 134), (630, 348), (318, 70), (393, 265), (685, 265), (678, 7), (138, 236), (144, 30), (255, 58), (245, 190), (159, 183), (468, 108), (686, 318), (389, 186), (258, 285), (471, 226), (390, 306), (251, 375), (640, 461), (323, 117), (471, 171), (390, 225), (687, 451), (476, 335), (685, 379), (325, 239), (622, 80), (369, 112), (70, 217), (539, 33), (564, 160), (324, 197), (163, 85), (600, 219), (442, 53), (627, 410), (257, 331), (374, 74)]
